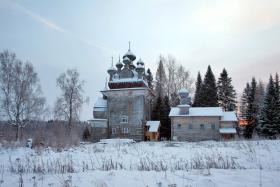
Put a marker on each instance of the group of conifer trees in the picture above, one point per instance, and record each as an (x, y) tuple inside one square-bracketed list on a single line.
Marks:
[(209, 93), (261, 108)]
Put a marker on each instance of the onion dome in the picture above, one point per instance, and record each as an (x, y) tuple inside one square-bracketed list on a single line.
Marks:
[(140, 68), (183, 90), (129, 54), (184, 96), (111, 70), (126, 61), (140, 62), (119, 64)]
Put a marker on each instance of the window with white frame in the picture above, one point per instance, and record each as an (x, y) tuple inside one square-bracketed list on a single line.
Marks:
[(114, 131), (124, 119), (125, 130)]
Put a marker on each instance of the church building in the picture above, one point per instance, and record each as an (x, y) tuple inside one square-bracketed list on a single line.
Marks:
[(125, 107)]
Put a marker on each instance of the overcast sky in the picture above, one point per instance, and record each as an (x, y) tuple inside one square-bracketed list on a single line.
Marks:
[(241, 35)]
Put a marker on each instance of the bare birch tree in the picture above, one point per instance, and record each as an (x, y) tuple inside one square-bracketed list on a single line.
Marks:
[(177, 78), (21, 95), (69, 104)]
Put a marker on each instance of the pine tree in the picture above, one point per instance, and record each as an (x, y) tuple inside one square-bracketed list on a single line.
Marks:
[(197, 95), (277, 102), (209, 96), (251, 112), (268, 119), (244, 100), (226, 92), (260, 93), (150, 79)]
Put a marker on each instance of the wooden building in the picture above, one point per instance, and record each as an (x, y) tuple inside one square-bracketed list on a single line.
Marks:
[(126, 101), (152, 130), (200, 123)]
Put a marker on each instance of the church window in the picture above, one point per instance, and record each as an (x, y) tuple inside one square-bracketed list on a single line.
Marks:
[(114, 131), (124, 119), (125, 130)]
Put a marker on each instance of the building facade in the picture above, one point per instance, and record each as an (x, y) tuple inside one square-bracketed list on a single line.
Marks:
[(126, 103), (200, 123)]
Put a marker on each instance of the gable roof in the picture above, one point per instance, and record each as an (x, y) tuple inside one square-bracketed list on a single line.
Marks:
[(229, 116), (198, 111), (153, 126)]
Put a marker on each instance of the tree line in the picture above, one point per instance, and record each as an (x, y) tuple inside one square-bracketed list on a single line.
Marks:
[(170, 77), (261, 108), (21, 97)]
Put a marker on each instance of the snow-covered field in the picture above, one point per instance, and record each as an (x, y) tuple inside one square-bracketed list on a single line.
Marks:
[(120, 163)]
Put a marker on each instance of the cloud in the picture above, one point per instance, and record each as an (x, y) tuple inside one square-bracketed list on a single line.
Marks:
[(53, 26), (40, 19), (237, 15)]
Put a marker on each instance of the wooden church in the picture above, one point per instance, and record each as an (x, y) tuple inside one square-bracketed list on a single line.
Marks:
[(125, 107)]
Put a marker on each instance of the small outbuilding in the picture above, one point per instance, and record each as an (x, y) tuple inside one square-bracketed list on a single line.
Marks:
[(152, 130)]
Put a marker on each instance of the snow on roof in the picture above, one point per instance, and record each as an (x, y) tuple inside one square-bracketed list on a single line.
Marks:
[(229, 116), (198, 111), (129, 52), (132, 79), (100, 103), (227, 130), (153, 126), (101, 109)]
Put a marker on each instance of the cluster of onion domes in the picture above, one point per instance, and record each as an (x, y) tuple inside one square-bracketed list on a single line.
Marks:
[(127, 62)]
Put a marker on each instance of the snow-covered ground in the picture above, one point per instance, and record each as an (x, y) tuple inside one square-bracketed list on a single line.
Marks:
[(124, 163)]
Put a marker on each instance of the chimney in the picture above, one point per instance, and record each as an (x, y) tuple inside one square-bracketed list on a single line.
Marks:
[(184, 109)]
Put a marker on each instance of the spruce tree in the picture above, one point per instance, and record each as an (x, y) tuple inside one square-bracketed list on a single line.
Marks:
[(157, 109), (226, 92), (268, 119), (165, 129), (244, 100), (277, 102), (197, 95), (150, 79), (251, 112), (208, 91)]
